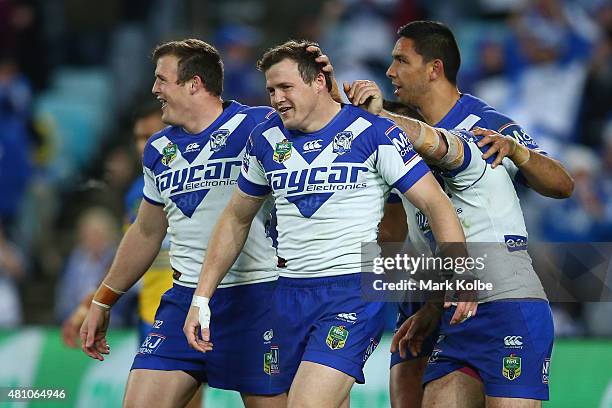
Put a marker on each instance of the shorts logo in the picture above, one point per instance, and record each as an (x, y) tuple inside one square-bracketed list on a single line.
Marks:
[(157, 324), (511, 367), (435, 354), (545, 368), (336, 338), (151, 343), (169, 153), (218, 138), (192, 147), (282, 151), (342, 142), (513, 342), (440, 338), (347, 317), (515, 242), (313, 146), (371, 347), (271, 361), (267, 336)]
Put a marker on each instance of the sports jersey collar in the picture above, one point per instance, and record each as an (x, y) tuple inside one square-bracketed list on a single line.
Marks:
[(229, 109), (296, 133), (447, 122)]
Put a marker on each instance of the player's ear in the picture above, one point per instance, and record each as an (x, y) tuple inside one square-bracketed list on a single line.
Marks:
[(320, 82), (195, 84), (436, 69)]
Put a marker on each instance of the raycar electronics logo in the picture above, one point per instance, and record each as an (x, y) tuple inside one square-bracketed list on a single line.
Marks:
[(318, 179), (195, 177)]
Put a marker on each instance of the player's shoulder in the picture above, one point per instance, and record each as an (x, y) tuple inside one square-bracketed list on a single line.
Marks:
[(151, 152), (491, 118), (376, 125)]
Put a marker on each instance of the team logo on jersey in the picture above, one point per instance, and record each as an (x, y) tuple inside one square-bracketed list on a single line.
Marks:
[(313, 146), (511, 367), (192, 147), (218, 139), (169, 153), (342, 142), (545, 368), (271, 361), (371, 347), (282, 151), (336, 338)]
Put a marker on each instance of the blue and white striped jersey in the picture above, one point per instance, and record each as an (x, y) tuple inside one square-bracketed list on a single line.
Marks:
[(329, 187), (193, 176)]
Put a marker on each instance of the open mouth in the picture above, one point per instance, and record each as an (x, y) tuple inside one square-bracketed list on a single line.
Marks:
[(163, 102), (284, 110)]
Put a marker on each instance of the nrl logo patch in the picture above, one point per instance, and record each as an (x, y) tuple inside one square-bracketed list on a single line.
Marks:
[(282, 151), (218, 139), (511, 367), (342, 142), (169, 153), (336, 338)]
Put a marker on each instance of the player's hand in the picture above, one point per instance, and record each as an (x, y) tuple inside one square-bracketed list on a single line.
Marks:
[(365, 94), (93, 332), (327, 68), (466, 307), (413, 332), (503, 146), (198, 319), (72, 326)]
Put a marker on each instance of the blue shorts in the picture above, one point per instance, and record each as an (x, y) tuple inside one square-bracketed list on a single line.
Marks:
[(508, 343), (325, 321), (404, 311), (240, 321)]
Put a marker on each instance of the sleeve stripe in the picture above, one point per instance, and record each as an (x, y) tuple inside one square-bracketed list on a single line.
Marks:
[(506, 126), (251, 188), (407, 181), (409, 163), (151, 201), (390, 129)]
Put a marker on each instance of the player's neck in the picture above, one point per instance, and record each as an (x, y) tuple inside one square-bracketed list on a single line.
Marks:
[(438, 102), (323, 113), (202, 114)]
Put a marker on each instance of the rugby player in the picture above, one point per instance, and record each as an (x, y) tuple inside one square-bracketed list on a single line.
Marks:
[(190, 169), (329, 168)]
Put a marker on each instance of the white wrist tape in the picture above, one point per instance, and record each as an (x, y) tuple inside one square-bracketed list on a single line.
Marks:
[(201, 302), (427, 142), (455, 154)]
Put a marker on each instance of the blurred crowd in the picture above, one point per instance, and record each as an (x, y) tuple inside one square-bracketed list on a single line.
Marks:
[(72, 73)]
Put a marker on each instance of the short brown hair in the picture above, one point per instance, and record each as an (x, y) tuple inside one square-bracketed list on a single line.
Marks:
[(296, 51), (195, 57)]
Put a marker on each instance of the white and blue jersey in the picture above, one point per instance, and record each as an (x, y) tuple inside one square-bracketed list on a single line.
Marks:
[(470, 112), (329, 187), (192, 176)]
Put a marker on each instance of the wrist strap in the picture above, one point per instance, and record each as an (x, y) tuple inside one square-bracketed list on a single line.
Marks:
[(106, 296), (200, 301)]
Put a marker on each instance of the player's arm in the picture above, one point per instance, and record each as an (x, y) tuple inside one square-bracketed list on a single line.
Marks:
[(393, 226), (543, 174), (137, 250), (228, 238), (427, 141)]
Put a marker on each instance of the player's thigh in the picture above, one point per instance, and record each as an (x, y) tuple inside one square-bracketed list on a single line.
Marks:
[(454, 390), (197, 400), (405, 383), (264, 401), (316, 385), (158, 388), (500, 402)]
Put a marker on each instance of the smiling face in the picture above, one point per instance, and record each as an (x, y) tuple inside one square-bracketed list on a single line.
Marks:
[(174, 97), (293, 99), (408, 73)]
